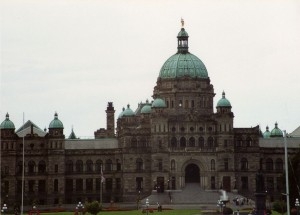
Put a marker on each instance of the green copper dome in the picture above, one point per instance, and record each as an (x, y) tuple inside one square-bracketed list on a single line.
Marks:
[(159, 103), (128, 112), (180, 65), (267, 133), (223, 102), (121, 114), (276, 132), (183, 63), (146, 108), (56, 123), (7, 124)]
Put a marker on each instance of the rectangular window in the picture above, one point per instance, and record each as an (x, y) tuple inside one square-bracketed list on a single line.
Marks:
[(31, 186), (6, 187), (79, 184), (42, 186), (89, 184), (118, 183), (69, 185), (98, 184), (6, 170), (108, 184), (225, 163), (225, 143), (19, 186), (56, 168), (270, 184), (160, 165), (213, 182), (244, 180), (139, 183)]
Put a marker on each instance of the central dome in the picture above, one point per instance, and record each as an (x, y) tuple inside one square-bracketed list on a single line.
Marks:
[(183, 63)]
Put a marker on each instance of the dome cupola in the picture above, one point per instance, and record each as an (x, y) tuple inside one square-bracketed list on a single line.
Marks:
[(128, 111), (159, 103), (147, 108), (276, 132), (56, 123), (7, 124), (267, 133), (223, 102), (183, 63)]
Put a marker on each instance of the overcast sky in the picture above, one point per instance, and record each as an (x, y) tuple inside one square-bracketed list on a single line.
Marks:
[(74, 56)]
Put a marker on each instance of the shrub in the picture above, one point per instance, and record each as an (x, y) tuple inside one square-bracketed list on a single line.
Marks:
[(93, 207), (279, 206), (293, 211), (227, 210)]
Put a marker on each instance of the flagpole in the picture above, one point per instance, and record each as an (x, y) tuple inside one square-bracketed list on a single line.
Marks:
[(286, 175), (23, 168)]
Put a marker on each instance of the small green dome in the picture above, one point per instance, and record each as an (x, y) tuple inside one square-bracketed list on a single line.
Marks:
[(128, 112), (121, 114), (159, 103), (7, 124), (182, 33), (56, 123), (146, 108), (276, 132), (267, 133), (223, 102), (180, 65)]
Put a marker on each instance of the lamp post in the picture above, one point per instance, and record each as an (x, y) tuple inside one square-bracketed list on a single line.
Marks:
[(220, 204), (138, 200), (147, 205), (4, 208), (297, 205), (79, 207)]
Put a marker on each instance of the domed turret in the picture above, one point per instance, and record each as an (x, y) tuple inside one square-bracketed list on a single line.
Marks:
[(183, 63), (267, 133), (7, 124), (147, 108), (159, 103), (56, 123), (276, 132), (121, 114), (128, 111), (223, 102)]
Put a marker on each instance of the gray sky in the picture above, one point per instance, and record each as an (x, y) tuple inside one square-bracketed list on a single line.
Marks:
[(74, 56)]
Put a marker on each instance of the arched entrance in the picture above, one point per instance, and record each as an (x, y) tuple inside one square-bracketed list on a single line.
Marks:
[(192, 173)]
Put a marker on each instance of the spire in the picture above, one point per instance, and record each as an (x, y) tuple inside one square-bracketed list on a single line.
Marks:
[(182, 40)]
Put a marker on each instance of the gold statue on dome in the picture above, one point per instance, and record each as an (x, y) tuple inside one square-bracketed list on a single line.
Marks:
[(182, 23)]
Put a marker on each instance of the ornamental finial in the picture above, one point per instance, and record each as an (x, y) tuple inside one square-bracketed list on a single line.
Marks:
[(182, 23)]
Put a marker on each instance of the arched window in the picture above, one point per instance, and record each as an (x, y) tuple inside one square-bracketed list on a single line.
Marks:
[(213, 165), (244, 164), (201, 142), (139, 164), (192, 142), (69, 166), (279, 165), (79, 166), (99, 165), (134, 142), (182, 142), (31, 167), (108, 165), (42, 167), (210, 142), (249, 141), (269, 164), (173, 165), (173, 142), (89, 166)]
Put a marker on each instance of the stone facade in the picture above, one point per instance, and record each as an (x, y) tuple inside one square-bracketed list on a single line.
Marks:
[(176, 139)]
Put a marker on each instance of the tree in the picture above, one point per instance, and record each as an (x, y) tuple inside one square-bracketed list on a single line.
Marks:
[(93, 207)]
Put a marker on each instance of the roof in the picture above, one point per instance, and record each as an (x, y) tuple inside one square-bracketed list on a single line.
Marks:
[(103, 143), (30, 128), (278, 142), (295, 133)]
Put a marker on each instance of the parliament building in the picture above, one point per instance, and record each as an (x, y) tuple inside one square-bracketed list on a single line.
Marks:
[(178, 138)]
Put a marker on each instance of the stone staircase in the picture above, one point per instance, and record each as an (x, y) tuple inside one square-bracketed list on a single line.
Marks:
[(190, 194)]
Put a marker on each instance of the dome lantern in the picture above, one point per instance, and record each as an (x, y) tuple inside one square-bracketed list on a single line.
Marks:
[(183, 46)]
